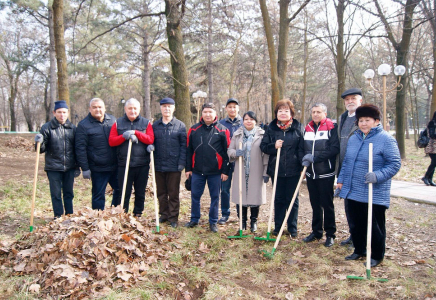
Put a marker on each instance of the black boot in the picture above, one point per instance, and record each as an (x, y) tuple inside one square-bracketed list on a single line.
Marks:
[(426, 181), (244, 216), (430, 180), (253, 217)]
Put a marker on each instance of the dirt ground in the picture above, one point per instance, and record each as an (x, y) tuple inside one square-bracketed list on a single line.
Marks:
[(411, 237)]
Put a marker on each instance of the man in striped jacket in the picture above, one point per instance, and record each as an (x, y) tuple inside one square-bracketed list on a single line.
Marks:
[(321, 145)]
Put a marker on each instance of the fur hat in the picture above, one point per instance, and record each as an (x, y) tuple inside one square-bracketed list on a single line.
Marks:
[(368, 110)]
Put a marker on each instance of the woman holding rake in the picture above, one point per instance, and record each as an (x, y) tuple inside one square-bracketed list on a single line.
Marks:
[(254, 169)]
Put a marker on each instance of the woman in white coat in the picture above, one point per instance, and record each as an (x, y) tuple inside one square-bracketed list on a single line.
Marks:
[(254, 166)]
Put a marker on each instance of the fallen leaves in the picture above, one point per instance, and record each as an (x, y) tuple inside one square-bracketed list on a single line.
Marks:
[(80, 255)]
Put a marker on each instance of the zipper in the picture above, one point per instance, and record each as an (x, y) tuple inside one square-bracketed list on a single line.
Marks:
[(313, 151), (284, 136), (65, 147)]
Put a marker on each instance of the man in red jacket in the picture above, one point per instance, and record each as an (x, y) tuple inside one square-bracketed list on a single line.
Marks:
[(133, 127), (207, 161)]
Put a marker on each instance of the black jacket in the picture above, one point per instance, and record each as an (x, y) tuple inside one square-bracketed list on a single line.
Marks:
[(58, 145), (292, 150), (92, 144), (207, 149), (170, 145)]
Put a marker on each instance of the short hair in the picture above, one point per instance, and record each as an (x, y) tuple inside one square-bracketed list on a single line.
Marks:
[(251, 114), (132, 101), (208, 105), (284, 103), (322, 105), (95, 100)]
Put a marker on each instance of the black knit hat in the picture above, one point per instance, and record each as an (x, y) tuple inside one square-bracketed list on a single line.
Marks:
[(368, 110)]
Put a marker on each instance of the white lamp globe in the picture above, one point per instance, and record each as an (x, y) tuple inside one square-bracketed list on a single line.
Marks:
[(369, 74), (399, 70), (384, 69)]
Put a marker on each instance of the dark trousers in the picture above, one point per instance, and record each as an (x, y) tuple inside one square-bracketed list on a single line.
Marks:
[(347, 214), (359, 215), (431, 167), (198, 184), (99, 183), (321, 199), (61, 183), (225, 195), (284, 192), (137, 177), (254, 213), (168, 187)]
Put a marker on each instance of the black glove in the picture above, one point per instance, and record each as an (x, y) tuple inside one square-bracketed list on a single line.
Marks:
[(180, 168), (239, 152), (128, 133), (265, 179), (39, 138), (151, 148), (307, 160), (86, 174), (370, 177), (76, 173)]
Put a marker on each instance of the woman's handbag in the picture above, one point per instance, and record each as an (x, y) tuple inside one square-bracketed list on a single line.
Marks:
[(423, 139)]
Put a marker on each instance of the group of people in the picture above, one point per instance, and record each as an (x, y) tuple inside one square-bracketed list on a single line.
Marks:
[(211, 152)]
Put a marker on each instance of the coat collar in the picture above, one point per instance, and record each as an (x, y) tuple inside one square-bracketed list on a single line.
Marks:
[(273, 125), (92, 119), (55, 124)]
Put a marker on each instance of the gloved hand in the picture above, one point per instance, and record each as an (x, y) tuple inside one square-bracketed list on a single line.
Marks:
[(134, 138), (307, 160), (337, 191), (180, 168), (76, 173), (39, 138), (370, 177), (239, 152), (86, 174), (127, 134), (265, 179), (151, 148)]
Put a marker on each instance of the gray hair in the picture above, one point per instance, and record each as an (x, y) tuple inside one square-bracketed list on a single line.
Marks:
[(95, 100), (322, 105), (132, 101)]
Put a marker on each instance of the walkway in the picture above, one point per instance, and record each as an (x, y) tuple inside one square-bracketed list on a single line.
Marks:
[(413, 191)]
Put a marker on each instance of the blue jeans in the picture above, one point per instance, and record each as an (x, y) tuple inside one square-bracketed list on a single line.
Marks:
[(99, 183), (197, 188), (225, 195), (61, 183)]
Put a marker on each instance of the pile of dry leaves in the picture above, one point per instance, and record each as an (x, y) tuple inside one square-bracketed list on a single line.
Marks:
[(87, 253), (18, 142)]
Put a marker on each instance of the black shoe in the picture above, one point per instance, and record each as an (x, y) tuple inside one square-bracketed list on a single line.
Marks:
[(174, 224), (253, 226), (310, 238), (354, 256), (374, 262), (191, 224), (137, 215), (431, 182), (213, 228), (275, 233), (223, 220), (162, 220), (348, 241), (293, 234), (425, 179), (329, 241), (244, 225)]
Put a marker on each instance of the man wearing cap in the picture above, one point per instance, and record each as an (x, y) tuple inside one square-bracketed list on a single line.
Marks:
[(138, 129), (232, 122), (169, 161), (97, 159), (57, 141), (207, 161), (347, 126)]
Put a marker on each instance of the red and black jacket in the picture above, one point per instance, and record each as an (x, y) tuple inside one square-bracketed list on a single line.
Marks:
[(207, 149)]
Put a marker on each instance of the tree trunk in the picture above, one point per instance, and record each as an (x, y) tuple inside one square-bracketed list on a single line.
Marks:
[(272, 56), (233, 70), (282, 61), (146, 75), (306, 57), (61, 57), (174, 10), (340, 58), (11, 100), (433, 94), (52, 75), (209, 53)]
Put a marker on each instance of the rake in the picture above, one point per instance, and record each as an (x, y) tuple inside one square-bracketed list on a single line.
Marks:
[(32, 209)]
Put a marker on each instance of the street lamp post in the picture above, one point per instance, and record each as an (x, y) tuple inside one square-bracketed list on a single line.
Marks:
[(384, 70), (199, 97)]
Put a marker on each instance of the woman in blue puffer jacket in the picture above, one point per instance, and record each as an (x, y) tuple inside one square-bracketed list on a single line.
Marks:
[(354, 178)]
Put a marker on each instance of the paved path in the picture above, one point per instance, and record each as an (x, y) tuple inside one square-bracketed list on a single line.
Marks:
[(416, 192)]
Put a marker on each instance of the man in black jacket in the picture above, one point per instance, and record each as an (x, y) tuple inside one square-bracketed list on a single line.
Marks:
[(207, 160), (94, 155), (169, 161), (57, 141)]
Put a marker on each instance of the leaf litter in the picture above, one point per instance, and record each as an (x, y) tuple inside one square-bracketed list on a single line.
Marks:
[(81, 255)]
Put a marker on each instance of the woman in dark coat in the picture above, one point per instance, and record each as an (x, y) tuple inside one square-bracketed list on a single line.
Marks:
[(430, 149), (284, 132)]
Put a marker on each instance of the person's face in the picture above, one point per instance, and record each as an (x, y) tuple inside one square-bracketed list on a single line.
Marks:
[(208, 115), (366, 123), (97, 110), (167, 110), (132, 111), (284, 114), (232, 110), (318, 114), (352, 102), (61, 114), (249, 123)]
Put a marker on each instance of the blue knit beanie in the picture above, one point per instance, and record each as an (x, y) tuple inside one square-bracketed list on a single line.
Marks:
[(60, 104)]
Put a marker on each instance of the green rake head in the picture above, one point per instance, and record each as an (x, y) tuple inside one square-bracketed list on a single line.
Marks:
[(240, 236), (368, 277), (265, 239), (269, 255)]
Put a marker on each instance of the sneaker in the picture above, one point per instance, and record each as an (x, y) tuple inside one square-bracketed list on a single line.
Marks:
[(223, 220), (213, 228)]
